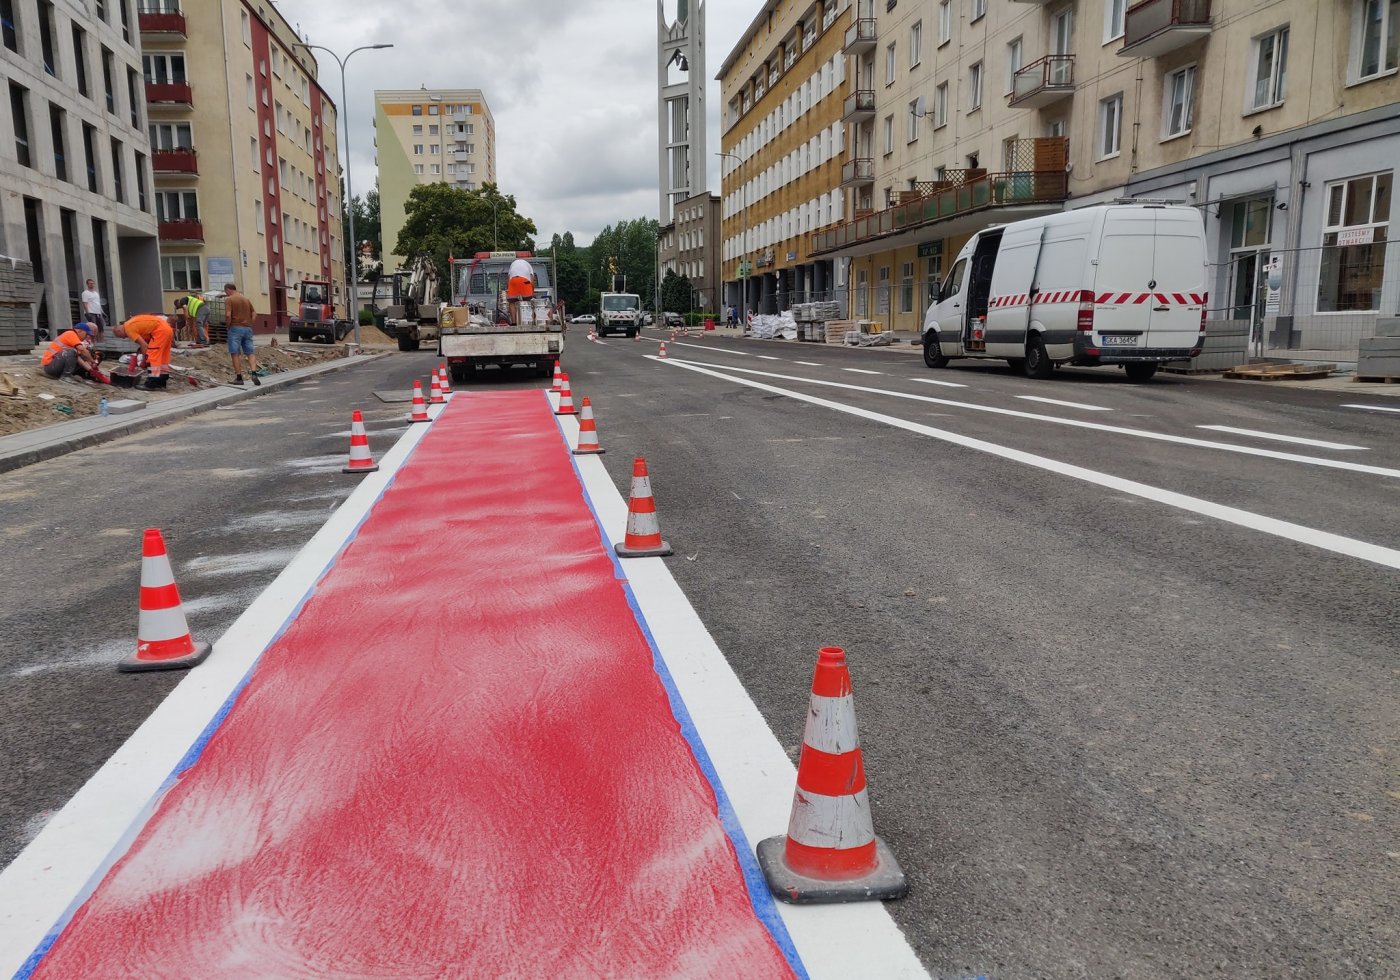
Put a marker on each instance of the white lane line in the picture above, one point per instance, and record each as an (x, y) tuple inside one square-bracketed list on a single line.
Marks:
[(833, 941), (1374, 408), (767, 357), (807, 363), (861, 371), (1335, 464), (944, 384), (1056, 401), (716, 350), (1351, 547), (1320, 444), (66, 861)]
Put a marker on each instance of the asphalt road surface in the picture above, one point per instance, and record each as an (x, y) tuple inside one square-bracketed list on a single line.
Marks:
[(1127, 686)]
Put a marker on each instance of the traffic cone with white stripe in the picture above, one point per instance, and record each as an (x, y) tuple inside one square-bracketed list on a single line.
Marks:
[(566, 399), (587, 432), (637, 336), (420, 407), (831, 853), (444, 380), (163, 640), (558, 378), (435, 394), (360, 459), (643, 537), (662, 352)]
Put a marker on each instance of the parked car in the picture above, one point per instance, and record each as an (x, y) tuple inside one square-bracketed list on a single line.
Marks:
[(674, 320), (647, 318), (584, 318)]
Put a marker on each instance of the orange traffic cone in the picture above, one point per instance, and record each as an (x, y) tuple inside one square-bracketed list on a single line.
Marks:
[(588, 432), (420, 407), (558, 378), (637, 336), (444, 381), (831, 853), (566, 400), (163, 640), (435, 395), (360, 459), (643, 538), (662, 352)]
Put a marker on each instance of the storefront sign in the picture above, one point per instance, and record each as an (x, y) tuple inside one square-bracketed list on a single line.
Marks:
[(1356, 236), (931, 249), (792, 256)]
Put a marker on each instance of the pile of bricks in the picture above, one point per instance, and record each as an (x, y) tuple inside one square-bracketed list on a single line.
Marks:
[(18, 292)]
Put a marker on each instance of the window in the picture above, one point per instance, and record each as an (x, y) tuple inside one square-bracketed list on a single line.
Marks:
[(1013, 64), (979, 10), (1179, 94), (163, 69), (434, 148), (433, 129), (889, 135), (259, 221), (1270, 68), (118, 184), (940, 106), (126, 20), (46, 37), (90, 157), (1110, 125), (80, 61), (916, 43), (432, 110), (141, 201), (418, 149), (10, 24), (945, 21), (247, 28), (418, 169), (906, 287), (436, 169), (417, 110), (177, 206), (1353, 244), (913, 121), (1249, 256), (1375, 38), (1062, 32), (890, 60), (178, 136), (418, 129), (1115, 12), (974, 87), (19, 112), (252, 93), (181, 272), (135, 97)]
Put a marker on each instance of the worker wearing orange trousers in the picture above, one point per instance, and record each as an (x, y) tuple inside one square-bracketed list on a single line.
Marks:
[(154, 335)]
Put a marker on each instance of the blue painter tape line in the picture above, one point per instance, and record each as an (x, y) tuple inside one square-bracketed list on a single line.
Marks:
[(196, 748), (760, 897)]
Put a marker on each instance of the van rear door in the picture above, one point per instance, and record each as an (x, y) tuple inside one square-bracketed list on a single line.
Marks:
[(1150, 281)]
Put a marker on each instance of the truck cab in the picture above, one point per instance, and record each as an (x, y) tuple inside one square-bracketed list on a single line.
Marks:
[(619, 312)]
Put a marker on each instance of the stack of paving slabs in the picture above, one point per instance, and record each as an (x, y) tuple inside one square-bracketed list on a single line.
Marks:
[(18, 291)]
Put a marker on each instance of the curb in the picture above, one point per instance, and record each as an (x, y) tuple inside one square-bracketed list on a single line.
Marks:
[(60, 444)]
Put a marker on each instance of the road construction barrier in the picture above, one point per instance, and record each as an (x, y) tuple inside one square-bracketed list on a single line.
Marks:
[(444, 380), (163, 640), (566, 399), (662, 352), (420, 407), (435, 395), (643, 537), (558, 378), (360, 460), (587, 432)]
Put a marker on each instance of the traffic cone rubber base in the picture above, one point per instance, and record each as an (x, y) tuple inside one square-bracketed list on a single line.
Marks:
[(887, 881), (371, 468), (192, 659), (659, 552)]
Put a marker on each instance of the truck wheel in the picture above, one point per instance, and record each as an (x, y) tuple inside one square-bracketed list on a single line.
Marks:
[(1038, 363), (1140, 372), (933, 353), (459, 373), (407, 343)]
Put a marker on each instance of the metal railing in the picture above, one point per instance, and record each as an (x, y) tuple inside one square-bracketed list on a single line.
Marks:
[(858, 102), (860, 170), (1153, 16), (862, 33), (1054, 71)]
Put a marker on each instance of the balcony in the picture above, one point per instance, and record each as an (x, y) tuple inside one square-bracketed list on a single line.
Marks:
[(861, 36), (180, 160), (162, 94), (1155, 27), (859, 106), (461, 156), (1035, 175), (161, 22), (856, 172), (181, 230), (1043, 82)]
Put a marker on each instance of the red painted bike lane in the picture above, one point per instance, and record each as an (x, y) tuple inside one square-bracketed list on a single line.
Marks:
[(457, 760)]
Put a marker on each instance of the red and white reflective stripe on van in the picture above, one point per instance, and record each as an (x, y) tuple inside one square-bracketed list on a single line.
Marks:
[(1107, 299)]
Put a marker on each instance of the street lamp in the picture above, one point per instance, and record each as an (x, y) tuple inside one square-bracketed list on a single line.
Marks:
[(744, 242), (349, 202)]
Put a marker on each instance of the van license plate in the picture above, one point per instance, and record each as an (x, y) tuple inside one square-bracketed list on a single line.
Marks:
[(1119, 340)]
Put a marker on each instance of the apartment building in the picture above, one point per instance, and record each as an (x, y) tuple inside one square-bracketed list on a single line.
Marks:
[(782, 142), (968, 112), (244, 146), (428, 136), (75, 182), (697, 249)]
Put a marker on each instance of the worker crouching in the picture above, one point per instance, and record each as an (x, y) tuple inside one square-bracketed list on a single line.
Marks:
[(72, 354), (155, 338)]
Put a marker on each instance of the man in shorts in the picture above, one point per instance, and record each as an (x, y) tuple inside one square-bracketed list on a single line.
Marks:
[(521, 285), (239, 310)]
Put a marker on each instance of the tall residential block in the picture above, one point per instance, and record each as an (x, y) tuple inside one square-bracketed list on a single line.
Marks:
[(244, 148), (428, 136), (75, 165)]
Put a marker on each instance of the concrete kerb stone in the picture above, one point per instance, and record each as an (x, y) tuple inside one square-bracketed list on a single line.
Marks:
[(37, 445)]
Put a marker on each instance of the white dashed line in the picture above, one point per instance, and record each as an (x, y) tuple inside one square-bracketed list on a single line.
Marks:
[(767, 357), (945, 384), (1374, 408), (1056, 401), (807, 363), (861, 371), (1278, 438)]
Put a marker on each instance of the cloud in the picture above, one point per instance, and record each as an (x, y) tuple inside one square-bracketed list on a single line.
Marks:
[(571, 84)]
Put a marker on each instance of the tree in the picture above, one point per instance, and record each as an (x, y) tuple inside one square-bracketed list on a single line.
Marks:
[(571, 271), (442, 221), (366, 225), (631, 245), (676, 293)]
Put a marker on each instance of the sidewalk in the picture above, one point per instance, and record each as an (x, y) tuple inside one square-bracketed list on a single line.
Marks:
[(36, 445)]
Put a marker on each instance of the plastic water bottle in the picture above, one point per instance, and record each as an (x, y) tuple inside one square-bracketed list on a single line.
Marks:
[(102, 407)]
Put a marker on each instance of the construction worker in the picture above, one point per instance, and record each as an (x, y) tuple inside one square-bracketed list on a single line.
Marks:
[(196, 312), (71, 354), (239, 310), (520, 285), (155, 337)]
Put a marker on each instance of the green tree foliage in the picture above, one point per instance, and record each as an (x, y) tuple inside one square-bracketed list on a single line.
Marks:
[(632, 245), (441, 220), (676, 293), (571, 272), (366, 211)]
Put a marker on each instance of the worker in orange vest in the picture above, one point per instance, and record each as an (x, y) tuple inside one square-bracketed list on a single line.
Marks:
[(70, 354), (155, 337)]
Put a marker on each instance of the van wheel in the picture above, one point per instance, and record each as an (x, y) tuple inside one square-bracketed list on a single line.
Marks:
[(1140, 372), (933, 353), (1018, 364), (1038, 364)]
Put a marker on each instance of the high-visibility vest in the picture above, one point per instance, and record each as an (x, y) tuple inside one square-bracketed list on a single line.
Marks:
[(192, 307), (69, 338)]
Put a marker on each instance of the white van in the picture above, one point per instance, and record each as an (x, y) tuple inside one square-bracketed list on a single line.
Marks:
[(1110, 284)]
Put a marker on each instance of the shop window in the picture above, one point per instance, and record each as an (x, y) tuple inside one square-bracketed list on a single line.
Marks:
[(1353, 244)]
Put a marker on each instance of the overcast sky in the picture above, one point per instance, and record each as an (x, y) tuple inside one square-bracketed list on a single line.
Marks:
[(572, 84)]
